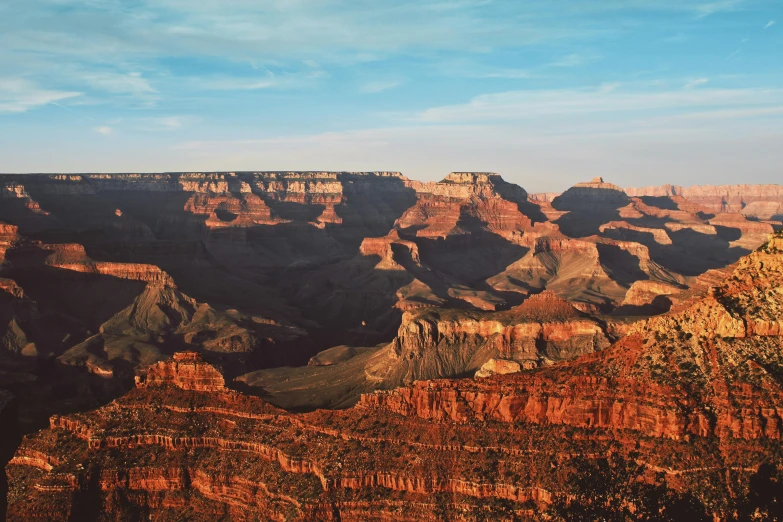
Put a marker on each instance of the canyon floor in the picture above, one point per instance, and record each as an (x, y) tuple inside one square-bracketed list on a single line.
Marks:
[(361, 346)]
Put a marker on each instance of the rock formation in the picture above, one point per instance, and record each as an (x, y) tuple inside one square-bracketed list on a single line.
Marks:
[(757, 201), (707, 370), (186, 370), (497, 367), (107, 273), (691, 401)]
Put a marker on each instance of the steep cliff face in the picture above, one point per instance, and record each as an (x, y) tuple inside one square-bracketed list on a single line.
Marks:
[(650, 296), (112, 272), (21, 326), (186, 370), (167, 450), (74, 331), (9, 439), (463, 201), (295, 239), (712, 369), (440, 343), (435, 344), (590, 194), (8, 236), (758, 201), (692, 400)]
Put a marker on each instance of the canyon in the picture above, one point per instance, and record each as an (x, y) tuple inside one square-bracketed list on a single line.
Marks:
[(377, 346), (104, 274), (692, 399)]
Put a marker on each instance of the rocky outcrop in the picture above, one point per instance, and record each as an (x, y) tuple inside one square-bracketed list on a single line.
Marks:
[(384, 248), (283, 466), (448, 208), (684, 397), (497, 367), (229, 210), (8, 235), (645, 293), (764, 210), (594, 193), (162, 449), (186, 370), (722, 198), (436, 344), (707, 370)]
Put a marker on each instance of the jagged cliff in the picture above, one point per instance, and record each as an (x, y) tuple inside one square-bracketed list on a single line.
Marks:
[(757, 201), (275, 230), (433, 344), (107, 273), (710, 369), (440, 343), (691, 400)]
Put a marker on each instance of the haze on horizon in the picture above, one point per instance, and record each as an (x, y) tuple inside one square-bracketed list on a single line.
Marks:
[(546, 93)]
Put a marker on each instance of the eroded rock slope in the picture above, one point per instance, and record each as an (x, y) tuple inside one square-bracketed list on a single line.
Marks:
[(691, 401)]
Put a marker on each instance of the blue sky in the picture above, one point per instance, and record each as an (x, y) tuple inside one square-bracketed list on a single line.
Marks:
[(545, 92)]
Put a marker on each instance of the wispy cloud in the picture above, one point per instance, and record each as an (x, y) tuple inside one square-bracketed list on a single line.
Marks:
[(575, 59), (104, 130), (132, 83), (164, 123), (379, 86), (769, 24), (19, 95), (619, 100), (696, 82), (513, 74), (701, 149), (708, 8), (270, 80)]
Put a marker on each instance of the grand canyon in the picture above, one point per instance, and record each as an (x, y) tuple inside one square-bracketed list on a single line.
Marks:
[(361, 346)]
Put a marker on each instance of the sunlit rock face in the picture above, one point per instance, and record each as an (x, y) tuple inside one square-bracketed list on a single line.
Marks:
[(102, 275), (683, 397), (757, 201)]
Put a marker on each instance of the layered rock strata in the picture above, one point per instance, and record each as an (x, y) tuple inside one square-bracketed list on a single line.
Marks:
[(692, 399), (708, 370), (108, 273), (758, 201)]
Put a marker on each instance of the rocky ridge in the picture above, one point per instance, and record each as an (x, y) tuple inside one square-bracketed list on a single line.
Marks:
[(710, 369), (756, 201), (111, 272), (692, 398)]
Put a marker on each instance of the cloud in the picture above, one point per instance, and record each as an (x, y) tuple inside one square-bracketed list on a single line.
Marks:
[(132, 83), (575, 59), (285, 80), (379, 86), (702, 149), (696, 82), (769, 24), (610, 100), (164, 123), (514, 74), (20, 95), (104, 130), (706, 9)]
